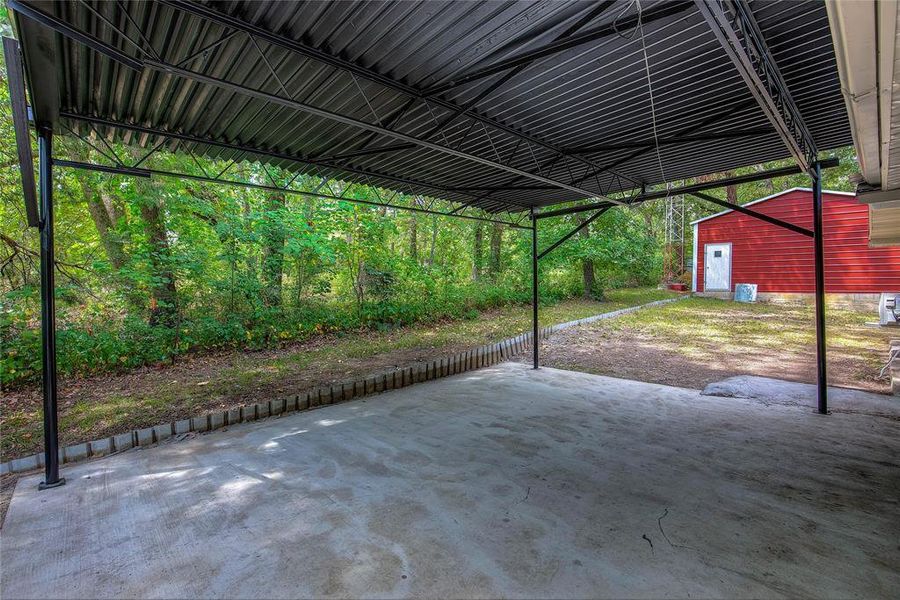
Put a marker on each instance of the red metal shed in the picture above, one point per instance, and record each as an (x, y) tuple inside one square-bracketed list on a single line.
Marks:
[(730, 248)]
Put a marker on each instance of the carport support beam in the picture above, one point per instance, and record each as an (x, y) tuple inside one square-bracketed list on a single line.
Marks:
[(819, 245), (535, 340), (48, 311)]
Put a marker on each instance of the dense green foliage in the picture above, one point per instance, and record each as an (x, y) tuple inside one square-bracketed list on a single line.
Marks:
[(151, 269), (219, 280)]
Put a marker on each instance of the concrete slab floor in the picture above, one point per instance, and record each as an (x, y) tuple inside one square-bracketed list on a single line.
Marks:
[(504, 482)]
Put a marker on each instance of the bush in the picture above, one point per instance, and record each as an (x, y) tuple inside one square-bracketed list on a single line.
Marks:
[(101, 344)]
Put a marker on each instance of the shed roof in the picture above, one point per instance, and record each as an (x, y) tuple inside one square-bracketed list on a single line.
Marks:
[(499, 105), (772, 196)]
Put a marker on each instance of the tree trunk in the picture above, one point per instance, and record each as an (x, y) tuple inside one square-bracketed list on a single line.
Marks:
[(434, 232), (496, 248), (356, 265), (250, 256), (107, 213), (301, 280), (273, 249), (413, 239), (587, 266), (105, 216), (478, 252), (303, 274), (731, 190), (587, 272), (731, 194), (163, 293)]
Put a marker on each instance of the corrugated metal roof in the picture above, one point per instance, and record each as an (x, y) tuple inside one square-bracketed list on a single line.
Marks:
[(592, 97)]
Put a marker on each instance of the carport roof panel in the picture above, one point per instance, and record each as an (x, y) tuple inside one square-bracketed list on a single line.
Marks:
[(581, 116)]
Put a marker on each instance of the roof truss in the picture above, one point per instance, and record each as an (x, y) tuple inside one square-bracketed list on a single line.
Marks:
[(735, 27)]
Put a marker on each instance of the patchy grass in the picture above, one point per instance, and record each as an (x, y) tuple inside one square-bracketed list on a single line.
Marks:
[(105, 405), (700, 340)]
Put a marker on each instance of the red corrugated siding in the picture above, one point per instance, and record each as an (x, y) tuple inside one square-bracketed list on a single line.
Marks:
[(779, 260)]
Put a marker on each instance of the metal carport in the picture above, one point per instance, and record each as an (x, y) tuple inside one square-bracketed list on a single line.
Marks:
[(490, 110)]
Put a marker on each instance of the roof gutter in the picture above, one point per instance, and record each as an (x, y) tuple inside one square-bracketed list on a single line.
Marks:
[(865, 37), (857, 45)]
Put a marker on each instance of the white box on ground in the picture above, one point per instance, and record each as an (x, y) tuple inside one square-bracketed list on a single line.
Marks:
[(745, 292)]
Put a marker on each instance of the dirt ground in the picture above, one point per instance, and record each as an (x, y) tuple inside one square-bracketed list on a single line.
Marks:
[(698, 341)]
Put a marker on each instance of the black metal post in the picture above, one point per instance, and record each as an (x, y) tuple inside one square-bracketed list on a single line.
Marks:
[(48, 310), (535, 341), (821, 379)]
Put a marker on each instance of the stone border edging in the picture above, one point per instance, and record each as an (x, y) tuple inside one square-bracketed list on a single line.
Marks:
[(482, 356), (613, 314)]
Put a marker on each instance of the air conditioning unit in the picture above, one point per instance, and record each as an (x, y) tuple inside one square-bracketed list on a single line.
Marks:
[(745, 292), (889, 308)]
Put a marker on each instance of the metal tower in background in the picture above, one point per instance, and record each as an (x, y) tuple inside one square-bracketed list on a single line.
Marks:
[(673, 259)]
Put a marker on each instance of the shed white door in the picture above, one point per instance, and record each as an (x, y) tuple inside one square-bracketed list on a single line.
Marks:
[(717, 268)]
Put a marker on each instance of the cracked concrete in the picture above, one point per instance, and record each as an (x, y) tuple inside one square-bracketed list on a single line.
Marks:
[(499, 482)]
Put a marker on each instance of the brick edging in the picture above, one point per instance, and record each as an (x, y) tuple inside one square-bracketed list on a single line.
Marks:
[(468, 360)]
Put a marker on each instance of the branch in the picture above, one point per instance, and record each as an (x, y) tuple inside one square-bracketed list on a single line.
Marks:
[(17, 247)]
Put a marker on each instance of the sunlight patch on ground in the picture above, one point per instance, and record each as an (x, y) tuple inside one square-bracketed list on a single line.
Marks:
[(724, 338)]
